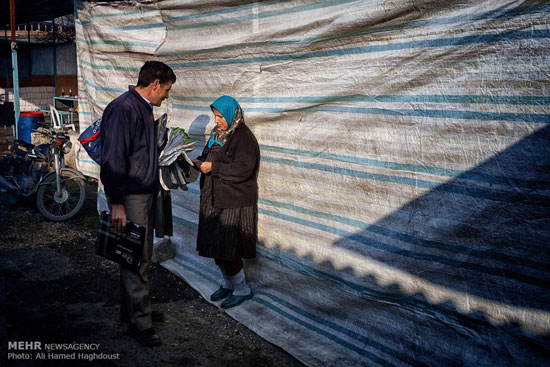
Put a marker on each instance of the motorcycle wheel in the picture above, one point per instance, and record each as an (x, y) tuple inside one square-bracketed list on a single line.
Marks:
[(65, 206)]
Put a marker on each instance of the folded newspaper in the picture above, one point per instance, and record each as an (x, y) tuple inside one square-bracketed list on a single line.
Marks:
[(176, 168)]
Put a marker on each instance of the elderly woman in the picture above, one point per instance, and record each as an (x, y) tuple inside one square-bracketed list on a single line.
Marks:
[(228, 221)]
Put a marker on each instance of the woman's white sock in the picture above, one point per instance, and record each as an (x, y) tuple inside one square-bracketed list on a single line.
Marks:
[(240, 288), (227, 284)]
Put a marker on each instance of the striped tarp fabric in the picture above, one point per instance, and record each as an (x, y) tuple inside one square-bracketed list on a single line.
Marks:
[(404, 210)]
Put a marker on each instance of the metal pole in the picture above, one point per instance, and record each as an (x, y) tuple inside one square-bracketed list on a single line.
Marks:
[(15, 68), (54, 60)]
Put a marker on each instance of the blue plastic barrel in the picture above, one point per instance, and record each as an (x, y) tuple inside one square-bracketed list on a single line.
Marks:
[(28, 123)]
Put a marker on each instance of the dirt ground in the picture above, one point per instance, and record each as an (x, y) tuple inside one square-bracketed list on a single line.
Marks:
[(55, 289)]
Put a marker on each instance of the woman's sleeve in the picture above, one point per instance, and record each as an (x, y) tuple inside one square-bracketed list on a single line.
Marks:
[(247, 154)]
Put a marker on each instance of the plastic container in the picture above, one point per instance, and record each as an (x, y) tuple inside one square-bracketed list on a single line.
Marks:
[(28, 123)]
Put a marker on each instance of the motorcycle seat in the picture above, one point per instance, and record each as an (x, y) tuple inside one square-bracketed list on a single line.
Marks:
[(20, 147)]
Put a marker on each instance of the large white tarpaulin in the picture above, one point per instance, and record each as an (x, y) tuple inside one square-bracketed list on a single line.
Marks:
[(405, 171)]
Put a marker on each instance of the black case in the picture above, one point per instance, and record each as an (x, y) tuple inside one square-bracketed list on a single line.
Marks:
[(125, 248)]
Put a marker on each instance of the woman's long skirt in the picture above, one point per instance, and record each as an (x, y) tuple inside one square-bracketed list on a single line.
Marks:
[(226, 234)]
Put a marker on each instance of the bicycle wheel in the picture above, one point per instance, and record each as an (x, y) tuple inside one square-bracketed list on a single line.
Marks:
[(65, 205)]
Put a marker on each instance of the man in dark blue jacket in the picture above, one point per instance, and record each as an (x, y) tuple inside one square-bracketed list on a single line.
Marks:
[(129, 173)]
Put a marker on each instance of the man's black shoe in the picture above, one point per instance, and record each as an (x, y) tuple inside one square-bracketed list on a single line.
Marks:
[(147, 338)]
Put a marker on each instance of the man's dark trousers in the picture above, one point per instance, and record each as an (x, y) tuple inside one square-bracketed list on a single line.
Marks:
[(135, 304)]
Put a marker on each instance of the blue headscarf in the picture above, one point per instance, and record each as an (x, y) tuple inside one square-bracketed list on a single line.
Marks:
[(233, 114)]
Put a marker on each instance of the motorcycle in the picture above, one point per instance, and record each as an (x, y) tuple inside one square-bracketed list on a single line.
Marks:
[(40, 170)]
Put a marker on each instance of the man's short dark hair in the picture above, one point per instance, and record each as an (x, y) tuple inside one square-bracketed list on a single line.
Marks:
[(152, 70)]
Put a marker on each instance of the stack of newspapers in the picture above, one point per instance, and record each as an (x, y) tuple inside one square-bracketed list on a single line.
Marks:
[(176, 168)]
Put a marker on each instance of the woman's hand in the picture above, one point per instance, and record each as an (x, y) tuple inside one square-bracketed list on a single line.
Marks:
[(206, 167)]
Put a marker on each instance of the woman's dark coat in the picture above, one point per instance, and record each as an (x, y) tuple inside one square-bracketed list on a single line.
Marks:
[(235, 170)]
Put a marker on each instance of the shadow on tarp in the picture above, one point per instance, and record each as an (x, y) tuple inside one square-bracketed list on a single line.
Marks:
[(412, 328), (197, 129), (486, 232)]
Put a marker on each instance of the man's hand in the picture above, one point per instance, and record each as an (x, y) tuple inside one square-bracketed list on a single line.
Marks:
[(118, 218), (206, 167)]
